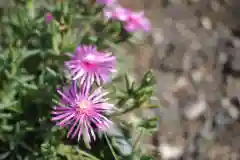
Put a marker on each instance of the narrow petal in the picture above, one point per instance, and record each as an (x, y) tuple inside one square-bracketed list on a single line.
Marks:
[(64, 96), (73, 126), (61, 116), (66, 120)]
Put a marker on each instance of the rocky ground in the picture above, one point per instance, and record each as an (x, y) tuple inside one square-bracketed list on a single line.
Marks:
[(194, 51)]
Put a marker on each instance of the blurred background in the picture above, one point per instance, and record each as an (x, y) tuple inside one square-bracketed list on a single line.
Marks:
[(194, 52)]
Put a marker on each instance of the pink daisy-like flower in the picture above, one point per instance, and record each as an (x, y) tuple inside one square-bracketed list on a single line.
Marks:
[(48, 17), (89, 65), (82, 112), (106, 2)]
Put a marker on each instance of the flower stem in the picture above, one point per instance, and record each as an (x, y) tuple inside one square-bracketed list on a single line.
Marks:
[(136, 143), (88, 155), (111, 148)]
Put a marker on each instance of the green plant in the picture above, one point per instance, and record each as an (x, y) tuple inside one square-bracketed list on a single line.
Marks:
[(32, 54)]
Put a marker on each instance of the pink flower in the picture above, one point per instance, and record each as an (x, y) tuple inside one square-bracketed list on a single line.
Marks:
[(89, 65), (48, 17), (116, 13), (82, 112), (106, 2), (137, 21), (133, 21)]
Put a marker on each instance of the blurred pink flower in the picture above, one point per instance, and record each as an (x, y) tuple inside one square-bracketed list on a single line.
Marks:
[(89, 65), (82, 112), (133, 21), (137, 21), (116, 13), (48, 17), (106, 2)]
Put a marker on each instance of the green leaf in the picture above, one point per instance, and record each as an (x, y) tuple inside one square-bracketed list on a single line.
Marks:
[(4, 156), (26, 84), (56, 40), (148, 79), (145, 90), (16, 109), (2, 62), (149, 124), (29, 53), (31, 8), (7, 128), (27, 78), (26, 146), (65, 7), (146, 158), (4, 106), (127, 82), (152, 106), (69, 41), (51, 71), (92, 39)]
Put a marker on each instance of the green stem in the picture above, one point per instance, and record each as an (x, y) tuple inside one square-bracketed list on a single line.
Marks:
[(81, 157), (88, 155), (135, 144), (126, 110), (111, 148), (30, 6)]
